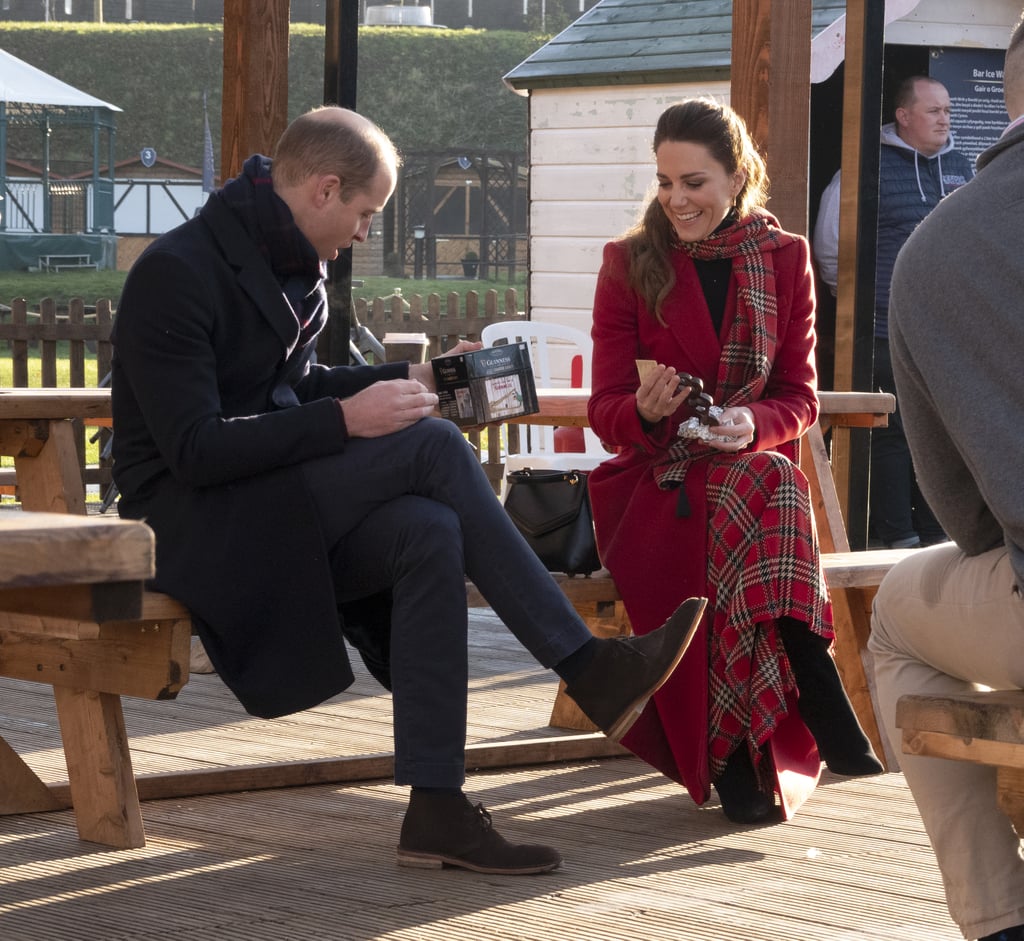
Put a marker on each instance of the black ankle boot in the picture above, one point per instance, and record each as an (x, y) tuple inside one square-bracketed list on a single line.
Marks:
[(743, 801), (824, 705)]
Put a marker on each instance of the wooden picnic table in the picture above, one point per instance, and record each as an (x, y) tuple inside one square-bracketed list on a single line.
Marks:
[(568, 407), (36, 429)]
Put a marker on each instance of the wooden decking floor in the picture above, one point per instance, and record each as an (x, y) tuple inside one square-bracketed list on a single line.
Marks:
[(642, 862)]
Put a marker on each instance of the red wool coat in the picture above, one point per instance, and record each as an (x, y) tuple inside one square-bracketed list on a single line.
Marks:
[(656, 557)]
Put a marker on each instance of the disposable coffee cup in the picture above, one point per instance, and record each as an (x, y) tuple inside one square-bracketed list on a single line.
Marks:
[(406, 347)]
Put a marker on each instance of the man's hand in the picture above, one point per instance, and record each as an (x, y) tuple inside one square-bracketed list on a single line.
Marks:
[(424, 372), (386, 407)]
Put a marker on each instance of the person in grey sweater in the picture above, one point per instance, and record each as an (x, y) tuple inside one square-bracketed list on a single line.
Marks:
[(950, 618)]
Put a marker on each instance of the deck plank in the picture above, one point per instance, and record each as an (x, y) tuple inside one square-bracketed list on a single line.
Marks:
[(642, 862)]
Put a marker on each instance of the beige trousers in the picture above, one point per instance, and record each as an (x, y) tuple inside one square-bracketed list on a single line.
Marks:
[(944, 622)]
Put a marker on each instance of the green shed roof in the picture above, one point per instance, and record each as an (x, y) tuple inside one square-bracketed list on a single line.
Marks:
[(637, 42)]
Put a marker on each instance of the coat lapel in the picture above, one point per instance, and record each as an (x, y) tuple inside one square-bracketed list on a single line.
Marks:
[(254, 274)]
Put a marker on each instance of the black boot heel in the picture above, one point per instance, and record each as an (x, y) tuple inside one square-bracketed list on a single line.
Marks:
[(743, 801), (824, 705)]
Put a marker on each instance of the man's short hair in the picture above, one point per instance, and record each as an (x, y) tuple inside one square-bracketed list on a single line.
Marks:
[(906, 91), (332, 140)]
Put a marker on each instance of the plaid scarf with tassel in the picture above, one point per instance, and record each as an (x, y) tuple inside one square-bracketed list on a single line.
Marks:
[(749, 349)]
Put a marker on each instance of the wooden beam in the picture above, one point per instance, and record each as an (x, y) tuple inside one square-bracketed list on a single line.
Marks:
[(771, 89), (255, 99), (356, 768)]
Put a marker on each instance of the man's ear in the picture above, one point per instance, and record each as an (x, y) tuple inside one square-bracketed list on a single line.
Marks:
[(328, 187)]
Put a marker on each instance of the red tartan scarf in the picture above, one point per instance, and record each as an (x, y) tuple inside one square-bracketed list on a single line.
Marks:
[(749, 349)]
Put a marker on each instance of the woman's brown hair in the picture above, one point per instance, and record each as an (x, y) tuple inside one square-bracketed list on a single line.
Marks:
[(722, 131)]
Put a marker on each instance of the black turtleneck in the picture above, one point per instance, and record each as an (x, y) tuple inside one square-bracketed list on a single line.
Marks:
[(714, 278)]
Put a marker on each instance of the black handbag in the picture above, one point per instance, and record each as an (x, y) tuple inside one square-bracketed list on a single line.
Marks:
[(551, 508)]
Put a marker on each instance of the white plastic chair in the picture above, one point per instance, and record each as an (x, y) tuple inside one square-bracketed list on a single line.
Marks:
[(552, 348)]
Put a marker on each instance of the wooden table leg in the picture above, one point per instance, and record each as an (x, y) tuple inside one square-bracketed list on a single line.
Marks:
[(51, 480), (604, 620), (103, 789)]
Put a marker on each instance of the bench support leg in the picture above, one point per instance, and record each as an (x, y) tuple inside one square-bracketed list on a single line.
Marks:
[(850, 614), (605, 619), (21, 790), (1010, 796), (103, 790)]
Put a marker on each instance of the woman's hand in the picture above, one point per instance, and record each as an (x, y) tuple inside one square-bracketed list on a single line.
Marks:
[(736, 430), (660, 394)]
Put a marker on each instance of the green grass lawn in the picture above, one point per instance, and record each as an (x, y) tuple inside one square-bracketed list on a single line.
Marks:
[(95, 285)]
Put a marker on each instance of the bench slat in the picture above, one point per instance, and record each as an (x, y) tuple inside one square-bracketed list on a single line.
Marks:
[(997, 715)]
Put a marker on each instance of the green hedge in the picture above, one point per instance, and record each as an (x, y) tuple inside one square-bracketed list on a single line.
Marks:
[(430, 89)]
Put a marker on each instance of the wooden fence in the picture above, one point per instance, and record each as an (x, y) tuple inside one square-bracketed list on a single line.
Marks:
[(67, 335), (76, 329), (443, 323)]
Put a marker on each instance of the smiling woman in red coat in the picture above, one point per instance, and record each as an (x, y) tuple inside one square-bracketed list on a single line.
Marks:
[(717, 298)]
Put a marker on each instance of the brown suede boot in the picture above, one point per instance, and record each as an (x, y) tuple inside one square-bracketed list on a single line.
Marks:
[(445, 829), (625, 672)]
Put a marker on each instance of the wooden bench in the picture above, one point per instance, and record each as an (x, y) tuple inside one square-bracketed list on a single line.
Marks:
[(853, 577), (74, 615), (983, 727), (65, 262)]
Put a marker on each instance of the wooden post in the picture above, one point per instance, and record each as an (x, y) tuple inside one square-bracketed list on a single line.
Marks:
[(255, 99), (858, 223), (341, 38), (773, 41)]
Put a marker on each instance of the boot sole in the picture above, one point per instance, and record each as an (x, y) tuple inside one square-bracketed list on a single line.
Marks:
[(625, 722), (413, 860)]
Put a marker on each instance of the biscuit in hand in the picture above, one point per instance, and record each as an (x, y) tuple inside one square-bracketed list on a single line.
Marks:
[(644, 366)]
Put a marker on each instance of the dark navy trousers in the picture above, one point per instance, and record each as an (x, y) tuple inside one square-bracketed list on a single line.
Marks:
[(414, 513)]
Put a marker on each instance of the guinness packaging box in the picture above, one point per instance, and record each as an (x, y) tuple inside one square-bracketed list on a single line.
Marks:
[(488, 385)]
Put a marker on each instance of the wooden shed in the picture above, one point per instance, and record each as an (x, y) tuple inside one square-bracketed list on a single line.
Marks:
[(595, 92), (598, 87)]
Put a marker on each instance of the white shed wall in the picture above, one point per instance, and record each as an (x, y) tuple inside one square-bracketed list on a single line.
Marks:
[(986, 24), (591, 168)]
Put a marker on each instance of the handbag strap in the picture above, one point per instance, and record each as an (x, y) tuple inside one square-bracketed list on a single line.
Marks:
[(547, 476)]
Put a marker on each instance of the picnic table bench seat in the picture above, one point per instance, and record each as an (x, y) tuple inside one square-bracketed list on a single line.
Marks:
[(986, 727)]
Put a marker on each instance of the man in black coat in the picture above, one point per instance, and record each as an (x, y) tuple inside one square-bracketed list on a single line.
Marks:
[(297, 507)]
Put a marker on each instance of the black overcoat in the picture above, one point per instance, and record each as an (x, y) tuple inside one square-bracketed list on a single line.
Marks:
[(216, 405)]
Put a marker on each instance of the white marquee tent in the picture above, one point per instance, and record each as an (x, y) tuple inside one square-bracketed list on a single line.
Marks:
[(46, 215), (21, 83)]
